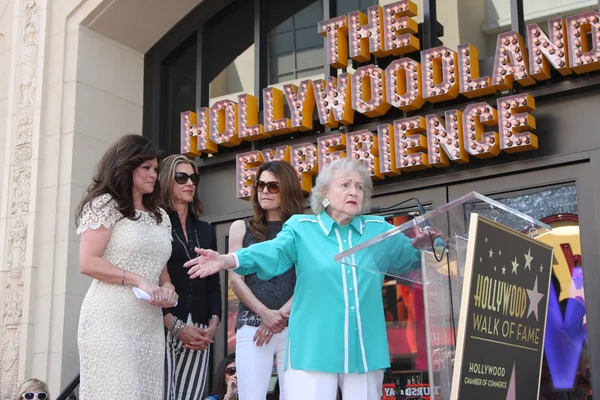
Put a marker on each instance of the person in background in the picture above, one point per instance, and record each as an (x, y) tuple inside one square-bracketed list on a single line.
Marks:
[(337, 333), (33, 389), (264, 304), (225, 386), (125, 243), (192, 324)]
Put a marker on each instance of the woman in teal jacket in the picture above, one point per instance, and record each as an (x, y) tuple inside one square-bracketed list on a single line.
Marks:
[(337, 334)]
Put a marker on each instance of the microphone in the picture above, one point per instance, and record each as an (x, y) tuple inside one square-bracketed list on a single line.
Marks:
[(420, 208)]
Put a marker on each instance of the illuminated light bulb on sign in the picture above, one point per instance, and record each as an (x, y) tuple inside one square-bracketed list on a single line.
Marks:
[(364, 33), (403, 84), (479, 143), (274, 120), (194, 134), (334, 100), (281, 153), (362, 146), (511, 62), (445, 139), (223, 122), (246, 165), (514, 122), (335, 31), (331, 148), (303, 158), (543, 49), (387, 150), (369, 92), (469, 80), (582, 57), (248, 127), (410, 144), (440, 74), (399, 28), (301, 101)]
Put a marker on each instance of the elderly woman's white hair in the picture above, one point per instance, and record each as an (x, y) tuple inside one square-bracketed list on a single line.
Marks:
[(324, 180)]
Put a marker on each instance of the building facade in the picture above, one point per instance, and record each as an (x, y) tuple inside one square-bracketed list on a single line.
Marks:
[(77, 74)]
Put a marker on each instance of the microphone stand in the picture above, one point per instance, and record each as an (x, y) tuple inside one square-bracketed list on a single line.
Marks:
[(426, 227)]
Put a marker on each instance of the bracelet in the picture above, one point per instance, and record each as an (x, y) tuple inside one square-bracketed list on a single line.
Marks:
[(173, 322), (123, 278), (179, 326)]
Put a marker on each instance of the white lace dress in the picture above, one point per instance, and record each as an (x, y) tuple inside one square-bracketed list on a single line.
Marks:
[(121, 338)]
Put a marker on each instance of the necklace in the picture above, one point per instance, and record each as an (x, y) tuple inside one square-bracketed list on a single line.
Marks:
[(184, 245)]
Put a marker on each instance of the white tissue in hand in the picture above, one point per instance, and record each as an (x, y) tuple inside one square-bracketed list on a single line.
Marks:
[(140, 294)]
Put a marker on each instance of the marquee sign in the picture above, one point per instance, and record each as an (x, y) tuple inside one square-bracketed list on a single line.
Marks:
[(423, 141)]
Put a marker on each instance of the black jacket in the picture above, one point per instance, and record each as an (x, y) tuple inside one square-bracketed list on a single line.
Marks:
[(199, 297)]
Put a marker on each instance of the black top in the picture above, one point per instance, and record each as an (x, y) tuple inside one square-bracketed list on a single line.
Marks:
[(273, 293), (200, 297)]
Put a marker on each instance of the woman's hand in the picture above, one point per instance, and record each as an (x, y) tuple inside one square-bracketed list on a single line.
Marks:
[(262, 336), (169, 294), (194, 338), (425, 239), (208, 263), (274, 320), (232, 388), (157, 297)]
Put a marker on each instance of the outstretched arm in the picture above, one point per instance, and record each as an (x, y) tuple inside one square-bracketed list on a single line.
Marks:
[(266, 259)]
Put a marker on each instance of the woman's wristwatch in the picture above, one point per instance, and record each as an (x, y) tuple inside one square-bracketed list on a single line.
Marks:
[(215, 316)]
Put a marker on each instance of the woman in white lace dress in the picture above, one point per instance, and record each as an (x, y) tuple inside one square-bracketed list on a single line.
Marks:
[(125, 243)]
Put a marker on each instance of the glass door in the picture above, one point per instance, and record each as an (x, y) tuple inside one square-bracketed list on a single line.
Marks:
[(552, 197)]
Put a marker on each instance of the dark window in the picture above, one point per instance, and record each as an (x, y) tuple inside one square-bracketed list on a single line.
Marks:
[(179, 80), (295, 45)]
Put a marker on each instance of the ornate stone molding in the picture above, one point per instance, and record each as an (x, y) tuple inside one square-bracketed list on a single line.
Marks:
[(20, 181)]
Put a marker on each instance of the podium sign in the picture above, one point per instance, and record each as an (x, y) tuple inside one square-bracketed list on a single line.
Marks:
[(502, 320), (446, 265)]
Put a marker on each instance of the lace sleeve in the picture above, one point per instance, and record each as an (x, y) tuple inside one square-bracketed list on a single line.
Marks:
[(99, 212), (166, 222)]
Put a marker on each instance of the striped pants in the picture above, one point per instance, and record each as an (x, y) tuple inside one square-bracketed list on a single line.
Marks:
[(185, 370)]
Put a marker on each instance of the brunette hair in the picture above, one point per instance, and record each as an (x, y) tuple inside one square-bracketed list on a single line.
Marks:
[(290, 195), (114, 175), (166, 177), (219, 386), (32, 385)]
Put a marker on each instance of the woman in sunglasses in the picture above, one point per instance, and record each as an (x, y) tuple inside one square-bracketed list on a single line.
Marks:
[(191, 324), (33, 389), (265, 305), (225, 385)]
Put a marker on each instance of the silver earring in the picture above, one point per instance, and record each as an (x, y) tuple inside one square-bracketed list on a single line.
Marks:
[(325, 202)]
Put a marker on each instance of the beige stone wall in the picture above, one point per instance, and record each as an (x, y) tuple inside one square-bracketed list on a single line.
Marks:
[(71, 83)]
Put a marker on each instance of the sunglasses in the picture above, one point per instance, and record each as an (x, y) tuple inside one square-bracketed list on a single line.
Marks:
[(182, 178), (272, 187), (35, 395), (230, 371)]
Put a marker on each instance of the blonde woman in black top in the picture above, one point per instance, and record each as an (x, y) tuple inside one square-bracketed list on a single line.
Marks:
[(265, 305), (192, 324)]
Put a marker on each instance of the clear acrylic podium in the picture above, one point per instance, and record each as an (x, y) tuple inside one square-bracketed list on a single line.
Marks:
[(442, 271)]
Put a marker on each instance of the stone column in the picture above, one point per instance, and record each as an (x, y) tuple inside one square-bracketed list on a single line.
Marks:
[(18, 192)]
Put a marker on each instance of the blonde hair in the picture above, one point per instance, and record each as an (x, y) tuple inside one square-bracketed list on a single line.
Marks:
[(166, 177), (32, 385)]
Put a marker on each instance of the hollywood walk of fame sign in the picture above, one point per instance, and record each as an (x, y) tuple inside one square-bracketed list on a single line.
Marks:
[(502, 320)]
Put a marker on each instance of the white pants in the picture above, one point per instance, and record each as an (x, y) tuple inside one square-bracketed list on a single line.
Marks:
[(255, 364), (310, 385)]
